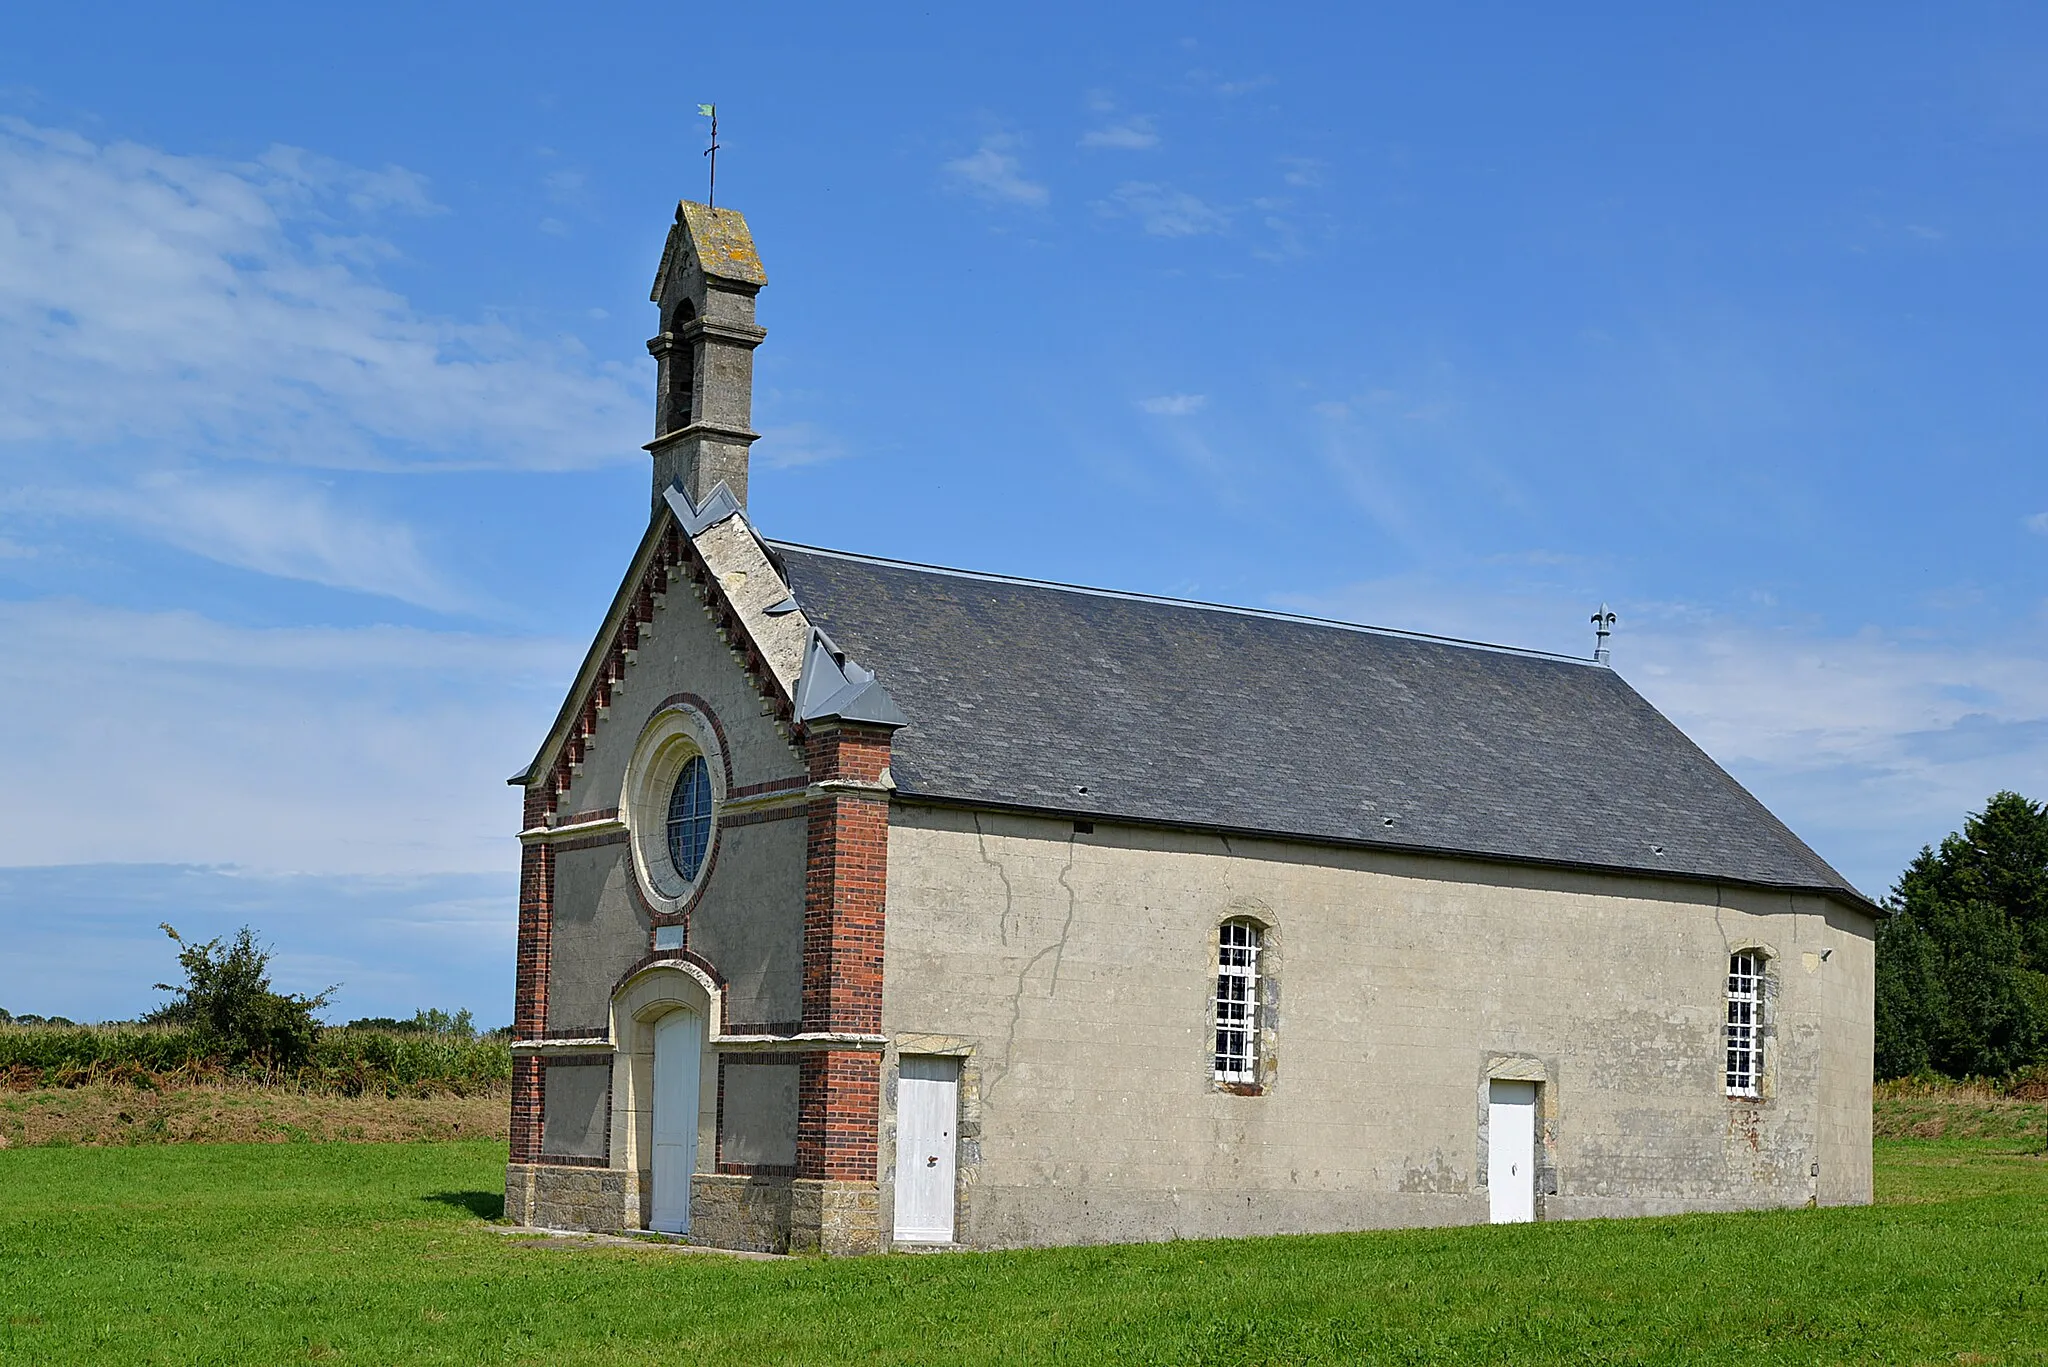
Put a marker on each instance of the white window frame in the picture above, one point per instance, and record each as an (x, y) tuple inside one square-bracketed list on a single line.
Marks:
[(1235, 1009), (1742, 1035)]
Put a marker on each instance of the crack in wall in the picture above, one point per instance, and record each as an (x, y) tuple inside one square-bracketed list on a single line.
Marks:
[(1009, 893), (994, 1075)]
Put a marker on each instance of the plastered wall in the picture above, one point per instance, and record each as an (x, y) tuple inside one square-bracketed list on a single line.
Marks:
[(577, 1107), (757, 1114), (601, 929), (1079, 970)]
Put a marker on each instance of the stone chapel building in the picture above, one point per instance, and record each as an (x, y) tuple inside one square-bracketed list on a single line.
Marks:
[(868, 905)]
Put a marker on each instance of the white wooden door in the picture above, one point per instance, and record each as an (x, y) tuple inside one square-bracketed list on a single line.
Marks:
[(927, 1121), (1511, 1150), (678, 1057)]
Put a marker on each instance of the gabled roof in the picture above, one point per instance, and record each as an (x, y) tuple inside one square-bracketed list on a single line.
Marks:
[(1051, 698)]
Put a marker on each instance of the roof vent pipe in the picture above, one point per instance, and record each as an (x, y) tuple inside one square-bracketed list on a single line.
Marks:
[(1603, 627)]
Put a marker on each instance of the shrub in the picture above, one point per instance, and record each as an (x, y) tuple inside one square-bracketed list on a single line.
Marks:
[(227, 996)]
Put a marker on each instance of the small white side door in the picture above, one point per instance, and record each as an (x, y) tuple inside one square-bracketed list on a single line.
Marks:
[(1511, 1150), (927, 1122), (678, 1060)]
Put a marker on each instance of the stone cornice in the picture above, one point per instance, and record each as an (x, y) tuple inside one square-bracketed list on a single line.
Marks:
[(598, 1045), (703, 429), (546, 835), (852, 787)]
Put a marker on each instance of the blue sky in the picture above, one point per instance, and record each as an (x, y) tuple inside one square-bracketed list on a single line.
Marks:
[(322, 384)]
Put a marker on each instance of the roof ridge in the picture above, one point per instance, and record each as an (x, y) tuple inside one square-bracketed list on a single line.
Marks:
[(1270, 614)]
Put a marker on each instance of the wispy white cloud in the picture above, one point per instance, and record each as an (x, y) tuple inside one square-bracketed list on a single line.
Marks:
[(1174, 405), (313, 178), (1165, 211), (289, 528), (794, 444), (2037, 524), (565, 186), (1304, 173), (234, 307), (1212, 83), (994, 172), (1134, 134), (184, 739)]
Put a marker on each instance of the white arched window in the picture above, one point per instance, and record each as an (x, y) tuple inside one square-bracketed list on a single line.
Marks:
[(1744, 1033), (1237, 1003)]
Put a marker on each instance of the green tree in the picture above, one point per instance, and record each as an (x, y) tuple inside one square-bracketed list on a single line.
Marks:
[(426, 1021), (1911, 999), (227, 994), (1962, 959)]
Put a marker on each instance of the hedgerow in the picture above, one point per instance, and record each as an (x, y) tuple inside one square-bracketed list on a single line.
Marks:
[(349, 1062)]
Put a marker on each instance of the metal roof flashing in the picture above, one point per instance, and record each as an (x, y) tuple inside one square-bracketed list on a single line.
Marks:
[(833, 686)]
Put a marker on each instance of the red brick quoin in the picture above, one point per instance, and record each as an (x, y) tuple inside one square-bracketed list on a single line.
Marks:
[(839, 1107), (530, 998), (839, 1093)]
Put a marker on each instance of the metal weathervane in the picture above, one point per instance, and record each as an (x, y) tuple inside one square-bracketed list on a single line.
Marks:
[(710, 111)]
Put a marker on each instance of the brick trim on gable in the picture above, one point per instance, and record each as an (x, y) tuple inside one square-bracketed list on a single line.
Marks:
[(673, 557)]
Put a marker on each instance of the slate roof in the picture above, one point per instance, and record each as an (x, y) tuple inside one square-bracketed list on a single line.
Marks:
[(1119, 706)]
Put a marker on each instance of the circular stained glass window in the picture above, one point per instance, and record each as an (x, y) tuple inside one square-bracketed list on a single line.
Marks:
[(689, 818)]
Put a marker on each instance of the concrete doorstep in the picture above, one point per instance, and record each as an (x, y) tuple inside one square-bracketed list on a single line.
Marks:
[(639, 1238)]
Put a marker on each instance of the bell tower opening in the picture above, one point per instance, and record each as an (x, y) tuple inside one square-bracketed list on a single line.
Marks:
[(678, 374)]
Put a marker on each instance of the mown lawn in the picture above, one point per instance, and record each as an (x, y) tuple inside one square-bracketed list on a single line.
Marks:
[(384, 1254)]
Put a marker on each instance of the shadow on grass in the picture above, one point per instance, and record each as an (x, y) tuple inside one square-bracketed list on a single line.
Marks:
[(485, 1205)]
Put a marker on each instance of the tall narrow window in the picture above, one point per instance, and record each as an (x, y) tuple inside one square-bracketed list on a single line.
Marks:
[(1237, 1003), (1745, 1029), (689, 818)]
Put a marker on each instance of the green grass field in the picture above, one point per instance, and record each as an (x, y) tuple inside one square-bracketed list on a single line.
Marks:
[(385, 1254)]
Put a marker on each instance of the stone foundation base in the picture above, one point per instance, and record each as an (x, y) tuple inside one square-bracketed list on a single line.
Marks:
[(755, 1214), (553, 1196), (834, 1217), (749, 1213)]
